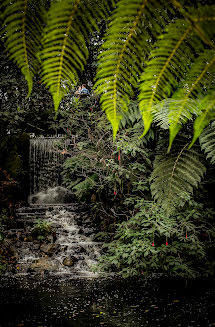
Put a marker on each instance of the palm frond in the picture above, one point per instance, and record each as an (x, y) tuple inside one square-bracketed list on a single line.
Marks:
[(65, 43), (127, 41), (176, 174), (23, 21), (207, 142)]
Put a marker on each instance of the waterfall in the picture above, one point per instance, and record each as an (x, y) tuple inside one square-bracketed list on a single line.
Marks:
[(70, 247), (45, 160)]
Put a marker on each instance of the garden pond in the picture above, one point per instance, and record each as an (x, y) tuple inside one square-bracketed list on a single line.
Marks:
[(55, 301)]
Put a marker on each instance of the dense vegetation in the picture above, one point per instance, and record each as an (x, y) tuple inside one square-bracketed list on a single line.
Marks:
[(155, 77), (141, 235)]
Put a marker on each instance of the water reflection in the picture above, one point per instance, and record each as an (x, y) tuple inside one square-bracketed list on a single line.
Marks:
[(85, 303)]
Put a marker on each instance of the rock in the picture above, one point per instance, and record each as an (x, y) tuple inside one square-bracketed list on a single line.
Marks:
[(36, 246), (28, 239), (70, 261), (79, 249), (50, 239), (41, 265), (49, 248)]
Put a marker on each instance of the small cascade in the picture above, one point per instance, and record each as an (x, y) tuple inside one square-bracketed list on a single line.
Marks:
[(69, 246), (45, 161), (70, 249)]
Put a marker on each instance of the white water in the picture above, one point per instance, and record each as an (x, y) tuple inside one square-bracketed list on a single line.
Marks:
[(45, 159), (74, 240), (74, 233)]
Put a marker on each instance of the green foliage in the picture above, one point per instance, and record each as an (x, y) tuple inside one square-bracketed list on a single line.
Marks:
[(207, 142), (97, 166), (42, 228), (151, 242), (176, 174), (125, 47), (23, 22), (65, 50), (207, 106), (163, 48)]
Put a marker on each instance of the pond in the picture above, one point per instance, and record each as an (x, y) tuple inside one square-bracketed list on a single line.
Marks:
[(46, 301)]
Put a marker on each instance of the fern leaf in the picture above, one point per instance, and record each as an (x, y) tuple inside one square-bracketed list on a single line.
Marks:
[(175, 175), (199, 78), (207, 107), (23, 21), (162, 110), (207, 142), (120, 62), (65, 50), (167, 62)]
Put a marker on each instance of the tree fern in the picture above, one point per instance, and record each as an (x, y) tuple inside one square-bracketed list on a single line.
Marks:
[(199, 78), (23, 21), (207, 107), (65, 50), (167, 62), (207, 142), (176, 174), (126, 43), (161, 111)]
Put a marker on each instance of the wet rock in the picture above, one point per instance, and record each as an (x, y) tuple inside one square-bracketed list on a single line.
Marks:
[(11, 235), (36, 246), (41, 265), (50, 239), (70, 261), (50, 248), (79, 249), (28, 239)]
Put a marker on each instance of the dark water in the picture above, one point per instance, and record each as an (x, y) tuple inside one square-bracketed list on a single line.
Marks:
[(43, 301)]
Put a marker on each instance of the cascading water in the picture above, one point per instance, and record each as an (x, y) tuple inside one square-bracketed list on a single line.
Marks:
[(71, 247), (45, 162)]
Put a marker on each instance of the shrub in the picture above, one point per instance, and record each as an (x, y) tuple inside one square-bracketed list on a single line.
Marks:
[(151, 242)]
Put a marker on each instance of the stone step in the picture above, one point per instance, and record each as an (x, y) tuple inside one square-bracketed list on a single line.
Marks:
[(29, 214)]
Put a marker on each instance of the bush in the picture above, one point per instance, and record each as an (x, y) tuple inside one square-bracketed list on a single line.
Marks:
[(152, 242)]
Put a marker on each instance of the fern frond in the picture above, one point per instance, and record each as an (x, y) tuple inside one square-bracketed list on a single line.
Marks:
[(162, 110), (23, 21), (168, 62), (175, 175), (131, 116), (199, 78), (207, 107), (207, 142), (120, 63), (65, 50)]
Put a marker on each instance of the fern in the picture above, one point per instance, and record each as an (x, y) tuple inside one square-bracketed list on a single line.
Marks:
[(175, 175), (131, 116), (162, 110), (199, 78), (65, 43), (126, 44), (23, 21), (146, 45), (207, 142), (167, 62), (207, 107)]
